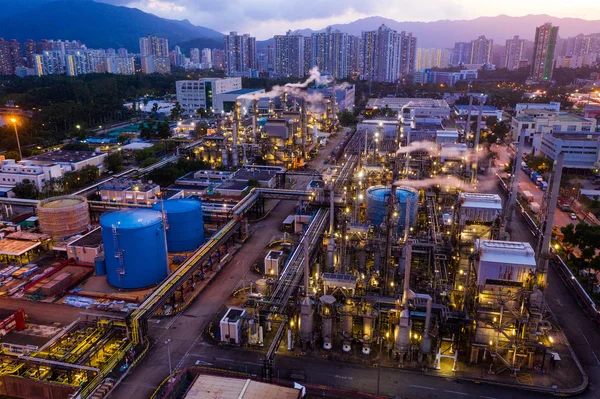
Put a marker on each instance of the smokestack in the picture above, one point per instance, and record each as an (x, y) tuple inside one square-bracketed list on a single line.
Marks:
[(544, 252), (477, 134), (236, 118), (468, 122), (254, 119), (512, 205), (303, 127)]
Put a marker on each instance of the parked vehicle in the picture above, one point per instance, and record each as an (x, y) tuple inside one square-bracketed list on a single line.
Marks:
[(573, 216)]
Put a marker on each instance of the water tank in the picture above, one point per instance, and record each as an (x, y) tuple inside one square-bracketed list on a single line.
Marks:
[(63, 216), (185, 227), (377, 207), (100, 265), (134, 248)]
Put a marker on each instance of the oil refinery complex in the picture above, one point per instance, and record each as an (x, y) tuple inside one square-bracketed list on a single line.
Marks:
[(400, 252)]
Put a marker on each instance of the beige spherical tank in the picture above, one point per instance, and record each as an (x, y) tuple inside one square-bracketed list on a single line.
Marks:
[(64, 216)]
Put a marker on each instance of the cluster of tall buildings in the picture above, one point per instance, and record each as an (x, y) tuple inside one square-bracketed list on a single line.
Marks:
[(57, 57), (478, 51), (332, 51), (383, 55)]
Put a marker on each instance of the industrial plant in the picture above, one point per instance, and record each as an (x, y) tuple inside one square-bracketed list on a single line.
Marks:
[(399, 252)]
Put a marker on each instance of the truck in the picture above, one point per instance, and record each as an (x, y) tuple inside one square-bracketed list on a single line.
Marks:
[(536, 177), (528, 196), (543, 185)]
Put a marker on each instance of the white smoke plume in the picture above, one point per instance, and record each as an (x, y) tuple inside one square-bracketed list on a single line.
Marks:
[(314, 100), (428, 146), (443, 182)]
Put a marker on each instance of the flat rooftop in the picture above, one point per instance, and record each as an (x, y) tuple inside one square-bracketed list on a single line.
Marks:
[(570, 118), (127, 185), (507, 252), (244, 91), (394, 102), (475, 108), (232, 185), (16, 247), (233, 314), (522, 118), (480, 201), (260, 174), (91, 240), (217, 387), (64, 156)]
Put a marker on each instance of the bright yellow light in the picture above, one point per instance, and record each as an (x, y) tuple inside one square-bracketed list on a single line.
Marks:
[(13, 120), (551, 339)]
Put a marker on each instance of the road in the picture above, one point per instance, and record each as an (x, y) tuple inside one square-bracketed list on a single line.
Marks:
[(561, 218)]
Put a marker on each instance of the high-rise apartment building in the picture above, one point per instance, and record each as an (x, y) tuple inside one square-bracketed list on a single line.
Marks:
[(152, 45), (308, 57), (5, 58), (543, 52), (270, 59), (30, 49), (218, 58), (427, 58), (122, 52), (481, 50), (16, 54), (289, 55), (206, 58), (195, 55), (334, 51), (461, 53), (240, 54), (513, 53), (387, 55), (353, 55)]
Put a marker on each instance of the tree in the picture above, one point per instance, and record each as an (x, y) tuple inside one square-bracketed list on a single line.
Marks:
[(114, 162), (203, 113), (346, 118), (77, 146), (176, 112), (26, 189), (155, 109), (147, 130), (164, 130)]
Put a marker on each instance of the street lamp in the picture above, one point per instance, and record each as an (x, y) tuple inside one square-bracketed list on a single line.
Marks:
[(14, 121)]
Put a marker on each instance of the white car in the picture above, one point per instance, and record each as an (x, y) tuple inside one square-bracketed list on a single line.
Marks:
[(573, 215)]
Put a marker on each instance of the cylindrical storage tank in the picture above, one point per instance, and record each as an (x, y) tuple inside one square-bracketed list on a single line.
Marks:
[(134, 248), (185, 227), (100, 265), (63, 216), (377, 197)]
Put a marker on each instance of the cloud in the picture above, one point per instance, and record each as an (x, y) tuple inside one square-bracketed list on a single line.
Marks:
[(265, 18)]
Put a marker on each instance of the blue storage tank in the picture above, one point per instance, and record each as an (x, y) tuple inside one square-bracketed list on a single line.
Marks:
[(134, 248), (185, 227), (377, 207), (100, 265)]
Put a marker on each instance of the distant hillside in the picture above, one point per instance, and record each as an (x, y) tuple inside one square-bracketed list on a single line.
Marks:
[(98, 25), (445, 33)]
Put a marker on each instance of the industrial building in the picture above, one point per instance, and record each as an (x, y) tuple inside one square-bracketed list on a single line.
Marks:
[(423, 107)]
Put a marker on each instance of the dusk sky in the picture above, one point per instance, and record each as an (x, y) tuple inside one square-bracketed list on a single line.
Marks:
[(265, 18)]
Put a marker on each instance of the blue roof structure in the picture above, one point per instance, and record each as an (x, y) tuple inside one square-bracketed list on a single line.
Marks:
[(131, 218), (242, 91)]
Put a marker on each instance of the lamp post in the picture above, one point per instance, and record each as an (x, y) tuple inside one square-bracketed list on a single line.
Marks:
[(14, 121)]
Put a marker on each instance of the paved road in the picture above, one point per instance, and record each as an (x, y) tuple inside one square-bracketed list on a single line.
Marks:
[(561, 218)]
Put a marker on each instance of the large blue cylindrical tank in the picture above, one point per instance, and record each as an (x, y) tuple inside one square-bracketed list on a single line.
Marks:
[(377, 207), (185, 227), (134, 248)]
